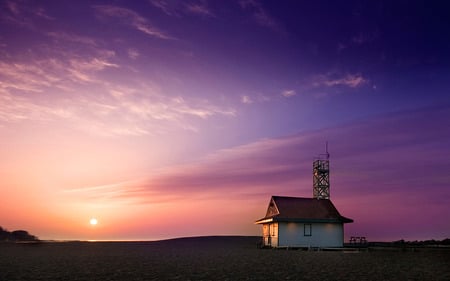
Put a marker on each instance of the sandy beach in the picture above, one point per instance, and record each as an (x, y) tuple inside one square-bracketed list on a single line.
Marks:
[(213, 258)]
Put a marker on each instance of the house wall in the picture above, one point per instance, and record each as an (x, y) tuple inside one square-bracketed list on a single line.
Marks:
[(321, 235)]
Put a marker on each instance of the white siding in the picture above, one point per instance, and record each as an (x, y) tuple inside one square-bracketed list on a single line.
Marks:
[(322, 235)]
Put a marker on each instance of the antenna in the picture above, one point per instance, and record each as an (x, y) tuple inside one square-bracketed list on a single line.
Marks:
[(321, 175)]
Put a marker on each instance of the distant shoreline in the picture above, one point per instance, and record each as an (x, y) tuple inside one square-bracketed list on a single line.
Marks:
[(251, 241)]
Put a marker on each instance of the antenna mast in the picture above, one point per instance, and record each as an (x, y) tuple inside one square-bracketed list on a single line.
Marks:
[(321, 175)]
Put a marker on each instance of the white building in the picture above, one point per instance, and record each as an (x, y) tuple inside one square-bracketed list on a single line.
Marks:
[(302, 222), (305, 222)]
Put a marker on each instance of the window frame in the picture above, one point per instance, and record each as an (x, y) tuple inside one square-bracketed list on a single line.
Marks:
[(307, 229)]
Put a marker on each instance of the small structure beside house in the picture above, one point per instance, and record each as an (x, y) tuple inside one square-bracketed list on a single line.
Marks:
[(305, 222)]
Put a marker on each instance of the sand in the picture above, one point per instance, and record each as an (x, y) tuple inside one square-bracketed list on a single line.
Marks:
[(213, 258)]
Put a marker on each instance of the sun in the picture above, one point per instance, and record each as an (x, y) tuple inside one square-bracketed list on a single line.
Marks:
[(93, 221)]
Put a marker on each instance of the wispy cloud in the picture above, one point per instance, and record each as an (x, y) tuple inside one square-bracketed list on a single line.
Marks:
[(258, 98), (288, 93), (15, 109), (246, 99), (180, 8), (70, 37), (363, 38), (133, 19), (199, 8), (55, 90), (94, 64), (358, 40), (261, 16), (348, 80), (133, 54), (285, 163), (13, 7), (26, 77), (364, 165), (170, 8), (148, 104), (254, 98), (20, 13), (55, 72)]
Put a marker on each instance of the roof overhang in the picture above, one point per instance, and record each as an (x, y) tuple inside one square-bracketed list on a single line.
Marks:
[(309, 220), (275, 219), (346, 220), (262, 221)]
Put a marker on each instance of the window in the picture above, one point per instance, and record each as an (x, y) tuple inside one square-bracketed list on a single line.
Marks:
[(307, 229), (265, 230), (274, 229)]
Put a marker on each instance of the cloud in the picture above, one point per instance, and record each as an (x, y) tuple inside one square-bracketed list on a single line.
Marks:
[(246, 99), (70, 37), (330, 83), (385, 161), (348, 80), (255, 98), (94, 64), (74, 87), (358, 40), (15, 109), (261, 16), (56, 72), (27, 77), (169, 7), (288, 93), (363, 38), (341, 46), (132, 19), (22, 14), (199, 9), (134, 111), (59, 89), (179, 8), (372, 153), (133, 54), (13, 7)]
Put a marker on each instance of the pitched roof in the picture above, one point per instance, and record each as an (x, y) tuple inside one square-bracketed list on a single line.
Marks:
[(298, 209)]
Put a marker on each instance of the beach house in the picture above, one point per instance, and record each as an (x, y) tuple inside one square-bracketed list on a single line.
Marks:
[(305, 222)]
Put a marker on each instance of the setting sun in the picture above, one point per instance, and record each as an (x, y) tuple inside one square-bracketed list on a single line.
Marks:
[(93, 221)]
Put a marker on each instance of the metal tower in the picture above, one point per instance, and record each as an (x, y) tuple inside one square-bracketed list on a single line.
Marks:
[(321, 176)]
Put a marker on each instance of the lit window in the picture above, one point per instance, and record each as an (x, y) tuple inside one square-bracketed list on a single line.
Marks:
[(274, 229)]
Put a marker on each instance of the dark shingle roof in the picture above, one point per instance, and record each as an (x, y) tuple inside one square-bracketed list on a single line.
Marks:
[(300, 209)]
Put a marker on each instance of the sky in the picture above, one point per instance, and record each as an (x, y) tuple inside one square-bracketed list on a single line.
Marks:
[(165, 119)]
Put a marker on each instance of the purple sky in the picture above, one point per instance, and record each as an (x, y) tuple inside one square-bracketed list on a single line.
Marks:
[(169, 118)]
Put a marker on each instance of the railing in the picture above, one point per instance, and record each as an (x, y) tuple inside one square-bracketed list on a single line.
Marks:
[(358, 240)]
